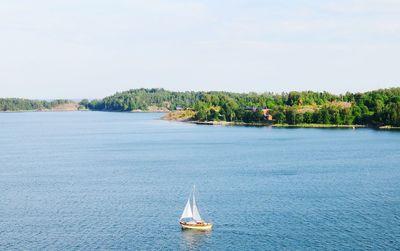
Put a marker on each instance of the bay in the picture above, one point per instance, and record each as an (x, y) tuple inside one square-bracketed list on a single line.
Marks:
[(112, 181)]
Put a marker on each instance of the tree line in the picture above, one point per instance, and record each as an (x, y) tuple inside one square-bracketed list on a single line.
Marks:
[(20, 104), (374, 108)]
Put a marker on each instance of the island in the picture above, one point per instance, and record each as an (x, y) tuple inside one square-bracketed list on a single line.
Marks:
[(24, 105), (377, 109)]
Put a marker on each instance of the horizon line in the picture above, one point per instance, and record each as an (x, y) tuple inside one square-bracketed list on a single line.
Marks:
[(198, 90)]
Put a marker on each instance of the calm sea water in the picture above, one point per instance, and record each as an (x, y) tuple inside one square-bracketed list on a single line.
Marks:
[(96, 180)]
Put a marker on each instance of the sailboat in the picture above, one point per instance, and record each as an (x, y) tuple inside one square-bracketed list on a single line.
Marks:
[(191, 218)]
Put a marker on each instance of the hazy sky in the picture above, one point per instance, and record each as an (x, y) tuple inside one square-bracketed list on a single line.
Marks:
[(93, 48)]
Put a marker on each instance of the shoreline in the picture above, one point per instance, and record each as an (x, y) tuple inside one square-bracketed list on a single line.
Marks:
[(320, 126), (229, 123), (225, 123), (261, 124), (255, 124), (389, 128), (81, 110), (21, 111)]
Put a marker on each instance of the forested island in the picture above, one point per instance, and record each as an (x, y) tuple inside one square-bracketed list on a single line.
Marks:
[(20, 104), (379, 108), (375, 108)]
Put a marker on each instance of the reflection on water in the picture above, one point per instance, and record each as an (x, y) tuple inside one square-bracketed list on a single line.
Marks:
[(194, 239)]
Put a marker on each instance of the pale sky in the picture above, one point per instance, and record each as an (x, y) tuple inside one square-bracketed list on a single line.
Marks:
[(93, 48)]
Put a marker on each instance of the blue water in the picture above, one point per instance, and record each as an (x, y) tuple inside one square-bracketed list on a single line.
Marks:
[(111, 181)]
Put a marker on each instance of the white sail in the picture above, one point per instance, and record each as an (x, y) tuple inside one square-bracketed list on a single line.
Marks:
[(196, 214), (187, 212)]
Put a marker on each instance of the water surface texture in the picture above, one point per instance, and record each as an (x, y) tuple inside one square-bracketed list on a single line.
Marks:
[(97, 180)]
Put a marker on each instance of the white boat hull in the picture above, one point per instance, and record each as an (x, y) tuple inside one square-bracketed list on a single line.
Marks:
[(203, 227)]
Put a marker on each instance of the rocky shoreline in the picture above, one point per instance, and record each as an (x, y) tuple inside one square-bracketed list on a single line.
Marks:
[(268, 124)]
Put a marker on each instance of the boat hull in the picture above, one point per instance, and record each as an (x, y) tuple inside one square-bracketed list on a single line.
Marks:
[(201, 227)]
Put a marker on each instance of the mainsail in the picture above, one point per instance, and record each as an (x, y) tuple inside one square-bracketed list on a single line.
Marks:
[(196, 214), (187, 212), (191, 211)]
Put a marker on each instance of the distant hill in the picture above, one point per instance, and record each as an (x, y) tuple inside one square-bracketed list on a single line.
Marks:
[(19, 104), (144, 99)]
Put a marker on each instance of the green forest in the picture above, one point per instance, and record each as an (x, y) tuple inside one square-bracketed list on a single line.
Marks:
[(374, 108), (19, 104)]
